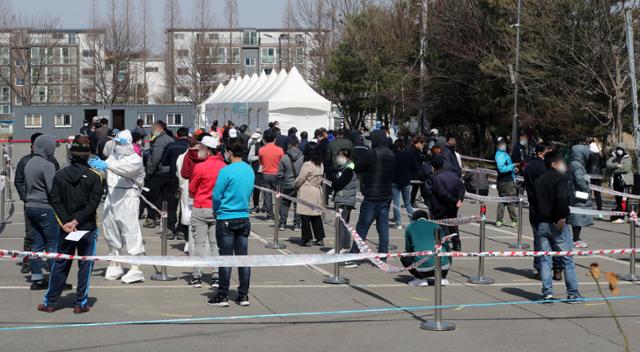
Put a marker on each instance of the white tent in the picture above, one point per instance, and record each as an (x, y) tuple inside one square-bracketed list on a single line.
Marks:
[(256, 101)]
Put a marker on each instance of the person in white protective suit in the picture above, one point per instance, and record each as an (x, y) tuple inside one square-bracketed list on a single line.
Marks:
[(125, 180), (186, 202)]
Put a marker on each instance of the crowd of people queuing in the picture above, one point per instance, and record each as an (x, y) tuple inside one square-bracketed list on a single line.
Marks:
[(207, 179)]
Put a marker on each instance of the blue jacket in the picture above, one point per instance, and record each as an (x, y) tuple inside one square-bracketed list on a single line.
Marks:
[(505, 167), (232, 191)]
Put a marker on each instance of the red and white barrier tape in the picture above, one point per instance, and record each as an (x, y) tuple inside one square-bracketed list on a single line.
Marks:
[(612, 192)]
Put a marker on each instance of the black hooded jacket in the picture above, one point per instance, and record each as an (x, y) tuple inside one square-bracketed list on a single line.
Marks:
[(76, 195), (375, 169)]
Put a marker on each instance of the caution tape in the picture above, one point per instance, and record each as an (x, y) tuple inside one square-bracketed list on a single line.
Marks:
[(492, 199), (572, 253), (612, 192), (592, 212), (465, 157)]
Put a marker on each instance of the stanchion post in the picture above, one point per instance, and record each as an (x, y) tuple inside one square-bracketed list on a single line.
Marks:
[(336, 279), (8, 168), (162, 275), (632, 244), (3, 199), (477, 183), (438, 324), (519, 244), (481, 279), (276, 223)]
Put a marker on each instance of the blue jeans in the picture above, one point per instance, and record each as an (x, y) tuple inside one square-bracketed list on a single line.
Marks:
[(557, 263), (44, 233), (405, 192), (370, 211), (552, 239), (233, 239), (60, 269)]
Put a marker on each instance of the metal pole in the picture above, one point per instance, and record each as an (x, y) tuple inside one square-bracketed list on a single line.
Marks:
[(276, 223), (481, 279), (163, 276), (280, 52), (423, 66), (519, 244), (438, 324), (514, 122), (632, 75), (336, 279), (632, 244), (8, 169), (3, 213)]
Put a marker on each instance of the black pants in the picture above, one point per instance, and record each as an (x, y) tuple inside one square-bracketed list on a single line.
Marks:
[(624, 189), (344, 238), (597, 195), (164, 188), (407, 261), (312, 227), (452, 212), (256, 193), (285, 204)]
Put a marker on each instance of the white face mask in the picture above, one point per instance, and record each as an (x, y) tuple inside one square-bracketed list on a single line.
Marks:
[(156, 133), (341, 160), (524, 141), (620, 152), (562, 168), (502, 147)]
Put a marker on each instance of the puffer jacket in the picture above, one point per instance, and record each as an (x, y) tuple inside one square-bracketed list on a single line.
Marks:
[(621, 166), (345, 185), (289, 167), (580, 184), (376, 168)]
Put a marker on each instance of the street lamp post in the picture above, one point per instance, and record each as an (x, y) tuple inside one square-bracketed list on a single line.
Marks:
[(514, 123)]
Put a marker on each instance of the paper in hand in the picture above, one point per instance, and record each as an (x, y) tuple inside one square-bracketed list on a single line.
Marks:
[(76, 236)]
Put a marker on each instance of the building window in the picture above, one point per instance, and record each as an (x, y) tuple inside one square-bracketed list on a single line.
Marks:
[(18, 62), (174, 119), (299, 55), (268, 55), (19, 81), (88, 53), (62, 120), (40, 95), (5, 57), (250, 38), (213, 36), (32, 120), (235, 55), (39, 56), (58, 36), (221, 56), (88, 72), (67, 56), (299, 38), (73, 38), (178, 36), (183, 53), (148, 118), (250, 61), (6, 109), (5, 94), (151, 69), (183, 71)]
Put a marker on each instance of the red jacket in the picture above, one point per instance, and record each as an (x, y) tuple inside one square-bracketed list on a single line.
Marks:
[(202, 181), (189, 162)]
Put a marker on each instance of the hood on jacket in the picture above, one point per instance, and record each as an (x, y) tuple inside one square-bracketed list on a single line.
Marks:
[(74, 173), (356, 137), (621, 145), (294, 153), (378, 138), (580, 153), (44, 146)]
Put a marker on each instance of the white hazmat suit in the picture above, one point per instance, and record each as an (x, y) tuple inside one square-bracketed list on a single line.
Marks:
[(125, 179)]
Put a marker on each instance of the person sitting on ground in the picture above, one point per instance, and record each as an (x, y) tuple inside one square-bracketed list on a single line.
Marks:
[(231, 196), (552, 207), (309, 186), (75, 198), (420, 236)]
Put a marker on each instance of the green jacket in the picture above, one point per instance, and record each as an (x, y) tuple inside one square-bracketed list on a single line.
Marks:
[(621, 165), (419, 236)]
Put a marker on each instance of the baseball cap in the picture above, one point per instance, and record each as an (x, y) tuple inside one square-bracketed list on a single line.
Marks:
[(210, 142)]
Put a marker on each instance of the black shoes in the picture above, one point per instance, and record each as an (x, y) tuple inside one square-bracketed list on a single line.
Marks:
[(39, 285), (219, 301), (319, 243), (195, 282), (306, 244), (243, 300)]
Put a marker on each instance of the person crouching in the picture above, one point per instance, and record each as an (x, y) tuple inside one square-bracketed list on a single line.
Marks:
[(75, 196)]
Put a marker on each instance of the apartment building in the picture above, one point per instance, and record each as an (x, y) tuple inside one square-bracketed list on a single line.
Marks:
[(199, 59)]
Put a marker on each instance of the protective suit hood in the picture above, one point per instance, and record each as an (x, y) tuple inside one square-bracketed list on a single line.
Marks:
[(44, 146), (124, 148)]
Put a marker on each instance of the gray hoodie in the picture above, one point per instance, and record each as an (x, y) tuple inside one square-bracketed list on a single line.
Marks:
[(289, 167), (39, 172)]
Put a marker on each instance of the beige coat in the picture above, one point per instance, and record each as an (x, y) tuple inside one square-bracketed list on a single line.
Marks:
[(309, 185)]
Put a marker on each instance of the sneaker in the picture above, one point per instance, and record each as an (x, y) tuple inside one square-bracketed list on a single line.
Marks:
[(618, 221), (195, 282), (46, 308), (214, 281), (219, 301), (149, 223), (255, 210), (444, 282), (81, 309), (306, 244), (243, 300), (171, 236), (600, 216), (179, 236), (319, 243), (67, 287), (397, 227), (281, 228), (418, 283), (574, 299), (499, 223), (557, 275), (39, 285), (331, 251), (296, 229), (269, 219), (514, 224), (25, 269), (349, 264), (580, 244), (548, 299), (536, 276)]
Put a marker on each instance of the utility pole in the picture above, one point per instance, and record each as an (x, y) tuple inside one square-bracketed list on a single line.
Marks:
[(632, 76), (514, 122), (424, 13)]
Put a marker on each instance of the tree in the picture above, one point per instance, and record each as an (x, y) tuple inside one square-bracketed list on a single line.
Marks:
[(172, 20), (231, 21)]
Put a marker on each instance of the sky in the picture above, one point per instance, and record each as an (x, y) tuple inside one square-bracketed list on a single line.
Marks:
[(74, 14)]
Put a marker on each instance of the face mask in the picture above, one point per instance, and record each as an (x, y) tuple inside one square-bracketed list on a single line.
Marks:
[(562, 168), (502, 148), (341, 160), (156, 133), (620, 152), (524, 141)]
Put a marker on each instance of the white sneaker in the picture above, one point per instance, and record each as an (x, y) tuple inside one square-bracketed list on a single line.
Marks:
[(114, 272), (618, 221), (418, 283), (186, 247), (580, 244), (444, 282), (331, 251), (133, 275)]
